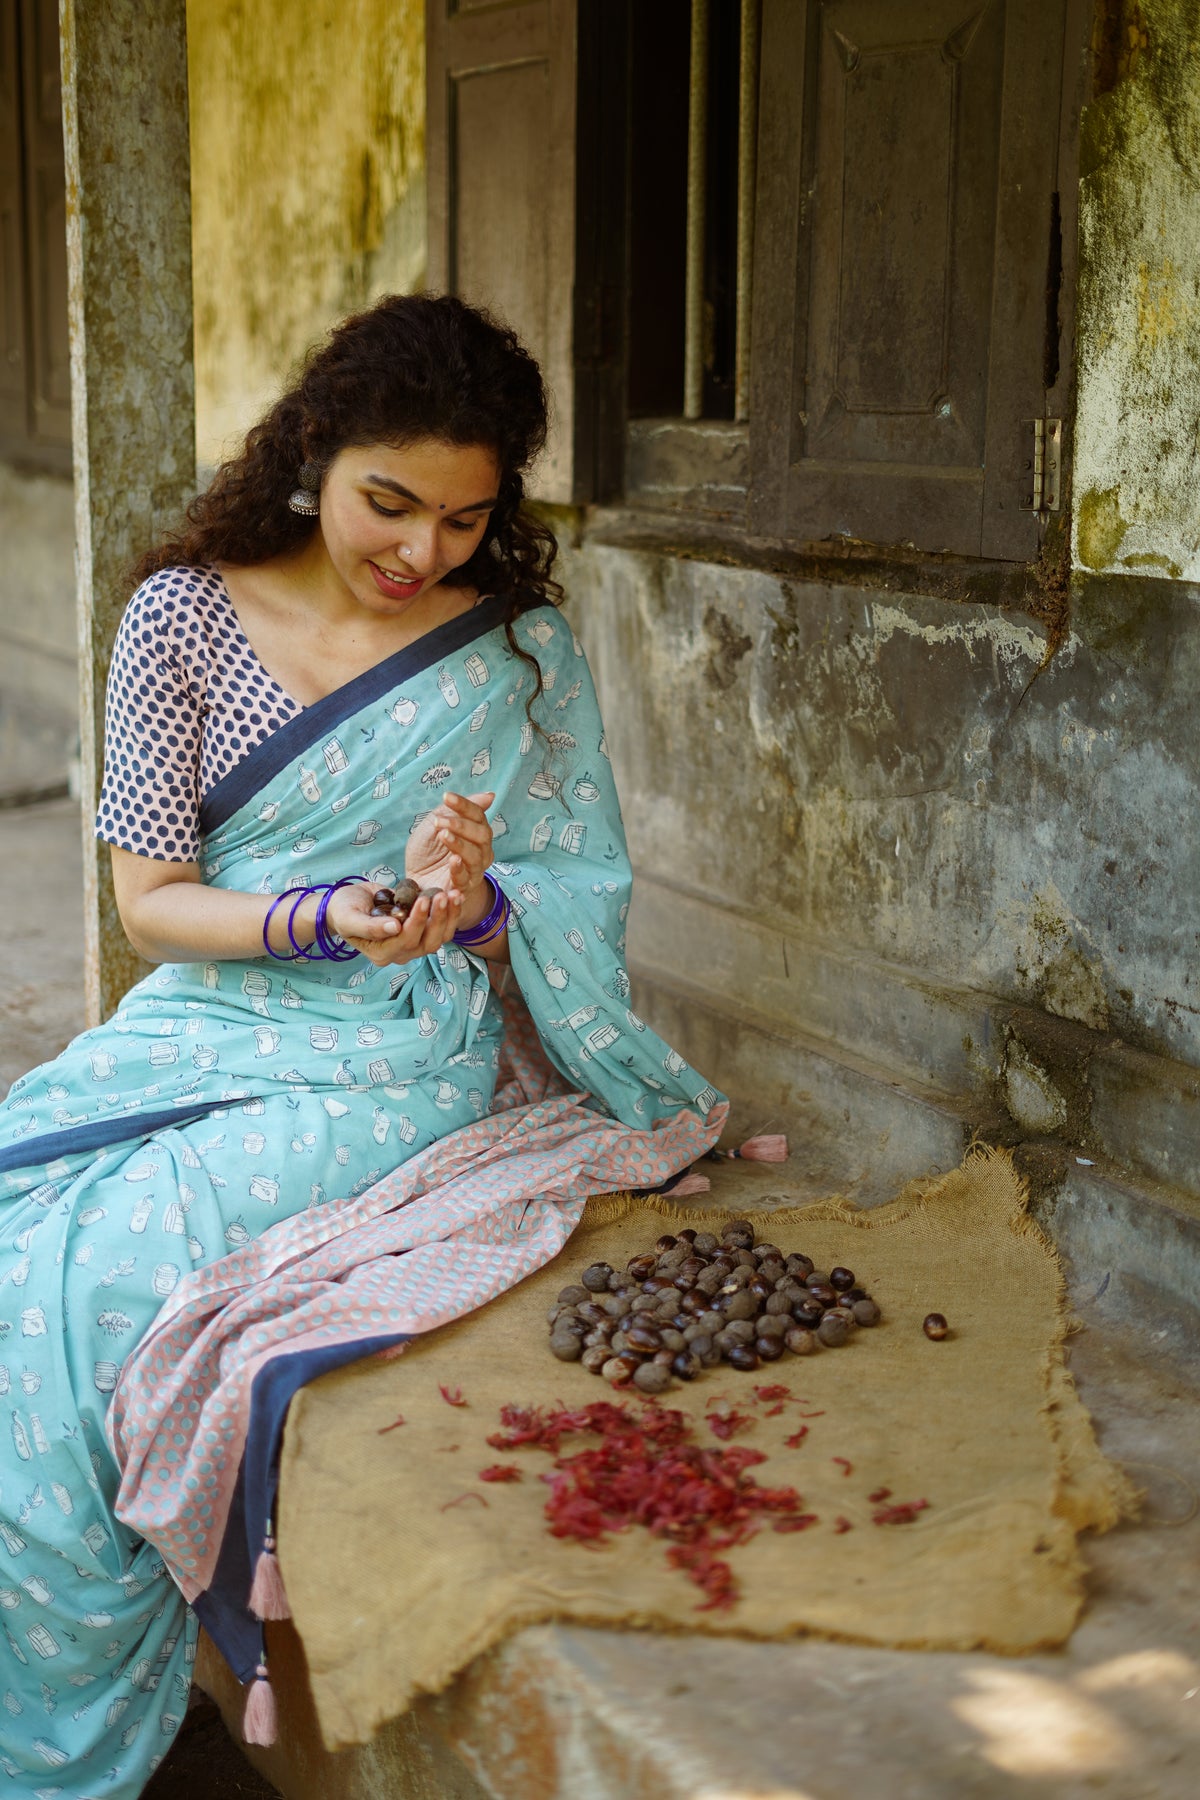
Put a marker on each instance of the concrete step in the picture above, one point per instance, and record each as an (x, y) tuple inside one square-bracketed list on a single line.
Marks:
[(562, 1713)]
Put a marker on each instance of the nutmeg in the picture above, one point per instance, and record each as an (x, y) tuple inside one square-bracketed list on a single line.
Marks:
[(652, 1378)]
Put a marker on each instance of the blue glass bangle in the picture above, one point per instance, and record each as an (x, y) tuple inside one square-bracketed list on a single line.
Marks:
[(304, 952), (282, 955), (328, 945), (490, 927)]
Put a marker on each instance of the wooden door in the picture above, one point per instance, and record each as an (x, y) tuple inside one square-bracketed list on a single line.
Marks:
[(915, 192), (501, 129)]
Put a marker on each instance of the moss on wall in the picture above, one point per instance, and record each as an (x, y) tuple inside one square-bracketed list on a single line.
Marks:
[(308, 191), (1137, 467)]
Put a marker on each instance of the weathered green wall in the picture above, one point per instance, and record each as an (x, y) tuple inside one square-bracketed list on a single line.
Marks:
[(1137, 458), (889, 861), (308, 189)]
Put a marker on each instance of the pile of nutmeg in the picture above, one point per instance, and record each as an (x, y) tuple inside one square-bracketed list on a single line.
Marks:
[(701, 1298)]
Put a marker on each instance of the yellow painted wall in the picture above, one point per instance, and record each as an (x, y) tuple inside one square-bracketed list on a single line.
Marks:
[(308, 184)]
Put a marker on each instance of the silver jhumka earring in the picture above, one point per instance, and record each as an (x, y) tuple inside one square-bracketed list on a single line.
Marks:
[(305, 499)]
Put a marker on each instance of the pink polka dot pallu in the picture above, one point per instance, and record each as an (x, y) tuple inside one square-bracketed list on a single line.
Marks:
[(256, 1167)]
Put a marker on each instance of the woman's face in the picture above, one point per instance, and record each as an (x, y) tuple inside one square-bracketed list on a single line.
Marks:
[(395, 522)]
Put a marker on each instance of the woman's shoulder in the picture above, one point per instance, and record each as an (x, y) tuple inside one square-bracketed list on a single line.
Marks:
[(174, 603)]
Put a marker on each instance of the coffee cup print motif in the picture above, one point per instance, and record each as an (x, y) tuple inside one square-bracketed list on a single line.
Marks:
[(586, 791), (449, 688), (308, 784), (368, 831), (540, 836), (481, 762), (479, 715)]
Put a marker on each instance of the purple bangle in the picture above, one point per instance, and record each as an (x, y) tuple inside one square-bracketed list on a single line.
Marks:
[(304, 953), (282, 955), (328, 945), (497, 919)]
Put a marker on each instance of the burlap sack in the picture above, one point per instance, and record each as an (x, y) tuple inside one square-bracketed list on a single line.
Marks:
[(394, 1589)]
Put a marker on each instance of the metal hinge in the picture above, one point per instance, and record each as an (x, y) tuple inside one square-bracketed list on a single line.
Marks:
[(1042, 477)]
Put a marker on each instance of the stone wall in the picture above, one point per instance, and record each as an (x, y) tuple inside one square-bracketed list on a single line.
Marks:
[(1137, 458)]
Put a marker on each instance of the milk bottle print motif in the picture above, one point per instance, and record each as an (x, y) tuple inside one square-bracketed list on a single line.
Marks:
[(139, 1218)]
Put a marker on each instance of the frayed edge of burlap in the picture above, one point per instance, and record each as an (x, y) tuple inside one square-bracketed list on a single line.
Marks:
[(1091, 1493)]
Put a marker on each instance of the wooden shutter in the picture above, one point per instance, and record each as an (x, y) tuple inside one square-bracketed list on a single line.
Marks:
[(46, 216), (501, 126), (12, 252), (907, 213)]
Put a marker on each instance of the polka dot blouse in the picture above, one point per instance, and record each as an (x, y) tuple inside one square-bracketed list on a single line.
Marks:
[(187, 699)]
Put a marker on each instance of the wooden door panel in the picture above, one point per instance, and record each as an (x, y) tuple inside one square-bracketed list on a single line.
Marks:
[(919, 199), (46, 236), (501, 97), (12, 250), (907, 117)]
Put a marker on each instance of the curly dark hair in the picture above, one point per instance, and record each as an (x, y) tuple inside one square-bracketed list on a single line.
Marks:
[(412, 366)]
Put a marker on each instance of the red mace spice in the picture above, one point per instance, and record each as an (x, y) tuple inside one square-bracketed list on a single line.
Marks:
[(819, 1414), (646, 1470), (452, 1396), (797, 1438), (727, 1425), (501, 1472), (398, 1420), (776, 1391), (797, 1522), (841, 1524), (903, 1513), (879, 1495), (846, 1467), (469, 1495)]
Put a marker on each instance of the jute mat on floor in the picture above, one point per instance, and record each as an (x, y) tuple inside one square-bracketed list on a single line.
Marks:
[(392, 1595)]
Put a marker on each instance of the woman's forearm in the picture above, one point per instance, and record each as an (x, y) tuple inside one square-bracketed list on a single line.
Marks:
[(182, 920)]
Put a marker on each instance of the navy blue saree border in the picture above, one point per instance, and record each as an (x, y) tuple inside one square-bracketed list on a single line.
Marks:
[(248, 777), (46, 1147)]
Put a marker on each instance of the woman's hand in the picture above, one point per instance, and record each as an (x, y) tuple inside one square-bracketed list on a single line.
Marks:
[(452, 846), (384, 941)]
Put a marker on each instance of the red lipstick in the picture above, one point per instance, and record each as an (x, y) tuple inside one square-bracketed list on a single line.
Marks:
[(392, 589)]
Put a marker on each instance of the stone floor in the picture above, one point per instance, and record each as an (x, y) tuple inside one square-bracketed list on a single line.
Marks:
[(568, 1714)]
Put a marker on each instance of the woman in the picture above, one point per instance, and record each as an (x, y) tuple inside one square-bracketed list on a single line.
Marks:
[(347, 668)]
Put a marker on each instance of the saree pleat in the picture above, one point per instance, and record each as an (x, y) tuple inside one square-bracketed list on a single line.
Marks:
[(234, 1116)]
